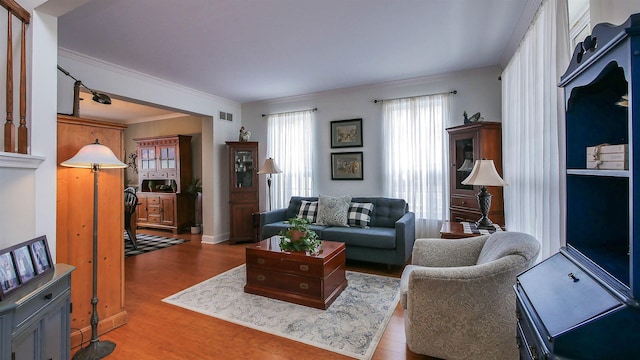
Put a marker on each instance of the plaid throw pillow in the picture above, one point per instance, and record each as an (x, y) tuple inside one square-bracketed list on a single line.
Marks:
[(360, 214), (308, 210)]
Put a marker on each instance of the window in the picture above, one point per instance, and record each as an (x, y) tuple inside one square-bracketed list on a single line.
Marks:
[(415, 153), (289, 143)]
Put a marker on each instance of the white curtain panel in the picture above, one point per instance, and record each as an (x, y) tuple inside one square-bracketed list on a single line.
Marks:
[(533, 129), (289, 143), (415, 149)]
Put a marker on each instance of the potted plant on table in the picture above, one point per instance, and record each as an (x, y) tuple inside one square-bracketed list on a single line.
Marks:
[(299, 236), (195, 189)]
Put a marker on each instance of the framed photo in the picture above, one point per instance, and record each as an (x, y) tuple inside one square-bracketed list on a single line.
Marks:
[(41, 256), (346, 166), (24, 264), (346, 133), (8, 275)]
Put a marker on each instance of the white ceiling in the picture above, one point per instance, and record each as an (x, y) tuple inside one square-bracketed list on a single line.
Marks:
[(251, 50)]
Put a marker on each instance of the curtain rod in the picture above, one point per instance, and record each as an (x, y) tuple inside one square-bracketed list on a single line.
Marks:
[(408, 97), (288, 112)]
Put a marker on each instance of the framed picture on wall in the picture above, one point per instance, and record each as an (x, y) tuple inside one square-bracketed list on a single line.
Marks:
[(346, 166), (346, 133)]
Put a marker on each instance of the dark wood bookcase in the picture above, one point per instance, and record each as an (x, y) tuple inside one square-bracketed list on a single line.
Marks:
[(582, 303)]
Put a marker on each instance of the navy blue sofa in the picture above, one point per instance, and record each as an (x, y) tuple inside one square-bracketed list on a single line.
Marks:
[(388, 239)]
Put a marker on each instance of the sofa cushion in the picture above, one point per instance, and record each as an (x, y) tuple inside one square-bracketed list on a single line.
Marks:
[(386, 211), (308, 210), (333, 210), (360, 214), (378, 237), (294, 205)]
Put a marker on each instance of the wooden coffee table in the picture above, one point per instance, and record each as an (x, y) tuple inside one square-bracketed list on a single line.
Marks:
[(297, 277)]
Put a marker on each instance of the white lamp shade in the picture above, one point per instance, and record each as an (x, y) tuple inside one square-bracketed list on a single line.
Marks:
[(484, 173), (94, 155), (269, 167)]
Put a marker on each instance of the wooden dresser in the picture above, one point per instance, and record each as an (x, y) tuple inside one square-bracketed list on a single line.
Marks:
[(74, 230)]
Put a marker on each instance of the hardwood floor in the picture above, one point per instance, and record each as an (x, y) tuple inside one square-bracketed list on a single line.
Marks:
[(156, 330)]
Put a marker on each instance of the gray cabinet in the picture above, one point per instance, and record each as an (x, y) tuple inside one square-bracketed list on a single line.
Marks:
[(35, 321)]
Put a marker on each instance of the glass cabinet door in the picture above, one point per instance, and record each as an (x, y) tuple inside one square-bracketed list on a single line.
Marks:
[(464, 160), (243, 168), (148, 158), (168, 157)]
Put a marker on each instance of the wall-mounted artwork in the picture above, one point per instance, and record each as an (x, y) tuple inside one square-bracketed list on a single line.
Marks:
[(346, 166), (346, 133)]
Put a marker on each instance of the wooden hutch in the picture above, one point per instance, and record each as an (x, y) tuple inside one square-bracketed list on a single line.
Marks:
[(164, 173), (468, 143)]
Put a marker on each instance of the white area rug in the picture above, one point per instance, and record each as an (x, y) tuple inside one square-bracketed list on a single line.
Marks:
[(352, 325)]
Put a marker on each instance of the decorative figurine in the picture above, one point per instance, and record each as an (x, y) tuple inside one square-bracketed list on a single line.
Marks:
[(244, 135)]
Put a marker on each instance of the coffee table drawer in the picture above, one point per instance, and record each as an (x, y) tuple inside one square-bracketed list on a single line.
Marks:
[(285, 282), (286, 265)]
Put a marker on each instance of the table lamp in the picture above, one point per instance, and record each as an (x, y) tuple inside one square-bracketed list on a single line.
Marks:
[(484, 174), (269, 167), (95, 157)]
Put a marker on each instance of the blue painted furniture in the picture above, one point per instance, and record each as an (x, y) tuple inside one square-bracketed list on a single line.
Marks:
[(388, 240), (582, 303)]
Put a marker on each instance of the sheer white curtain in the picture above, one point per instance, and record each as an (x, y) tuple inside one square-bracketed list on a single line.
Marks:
[(414, 158), (533, 129), (289, 144)]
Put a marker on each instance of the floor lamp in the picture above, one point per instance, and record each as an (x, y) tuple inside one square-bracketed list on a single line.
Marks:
[(269, 167), (484, 173), (95, 157)]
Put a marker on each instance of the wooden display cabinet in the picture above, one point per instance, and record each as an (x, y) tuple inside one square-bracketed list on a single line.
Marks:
[(164, 173), (243, 190), (468, 143)]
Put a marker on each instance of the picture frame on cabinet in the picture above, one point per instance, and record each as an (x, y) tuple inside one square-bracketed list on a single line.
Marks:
[(346, 133), (346, 166), (9, 281), (41, 255), (24, 263)]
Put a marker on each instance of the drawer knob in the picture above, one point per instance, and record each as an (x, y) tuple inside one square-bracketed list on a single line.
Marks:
[(261, 277), (573, 277), (304, 286), (464, 203), (304, 267), (49, 296)]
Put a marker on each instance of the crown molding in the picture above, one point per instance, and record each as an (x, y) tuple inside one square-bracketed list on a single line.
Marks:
[(95, 62)]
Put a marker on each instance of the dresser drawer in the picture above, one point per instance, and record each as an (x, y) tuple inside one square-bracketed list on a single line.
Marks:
[(158, 175), (154, 219), (285, 265), (284, 282), (153, 200), (153, 210), (465, 202), (31, 306)]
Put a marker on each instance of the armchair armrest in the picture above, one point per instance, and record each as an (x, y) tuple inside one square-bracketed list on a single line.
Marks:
[(448, 252), (405, 236)]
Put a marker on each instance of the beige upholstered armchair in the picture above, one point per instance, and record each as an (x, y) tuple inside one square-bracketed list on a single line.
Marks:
[(458, 295)]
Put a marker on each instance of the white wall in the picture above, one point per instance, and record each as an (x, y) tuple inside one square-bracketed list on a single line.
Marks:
[(613, 12), (478, 91)]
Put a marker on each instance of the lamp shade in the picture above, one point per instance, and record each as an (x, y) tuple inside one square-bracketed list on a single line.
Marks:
[(269, 167), (484, 173), (94, 155), (467, 165)]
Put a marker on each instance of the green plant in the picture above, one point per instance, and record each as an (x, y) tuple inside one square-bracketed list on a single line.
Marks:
[(299, 236)]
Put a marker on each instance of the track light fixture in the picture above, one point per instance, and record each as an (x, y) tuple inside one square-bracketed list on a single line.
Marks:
[(97, 97)]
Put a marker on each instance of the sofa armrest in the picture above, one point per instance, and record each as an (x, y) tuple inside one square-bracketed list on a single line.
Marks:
[(447, 252), (269, 217), (405, 236)]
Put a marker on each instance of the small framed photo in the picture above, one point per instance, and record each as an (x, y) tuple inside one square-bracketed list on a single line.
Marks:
[(346, 166), (346, 133), (41, 256), (24, 263), (8, 275)]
